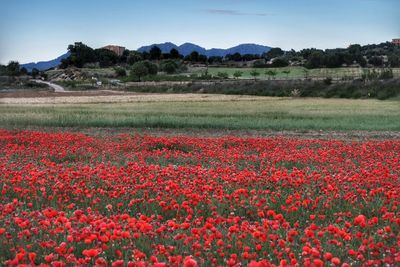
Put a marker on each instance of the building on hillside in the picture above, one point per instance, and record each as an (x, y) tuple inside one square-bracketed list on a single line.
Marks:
[(119, 50), (396, 41)]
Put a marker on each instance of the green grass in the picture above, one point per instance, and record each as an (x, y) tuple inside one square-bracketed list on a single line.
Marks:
[(295, 72), (266, 113)]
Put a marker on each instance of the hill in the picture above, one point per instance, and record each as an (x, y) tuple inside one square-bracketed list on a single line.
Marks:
[(187, 48), (45, 65)]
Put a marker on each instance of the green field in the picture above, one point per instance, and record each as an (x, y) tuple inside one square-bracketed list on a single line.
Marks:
[(257, 113), (294, 72)]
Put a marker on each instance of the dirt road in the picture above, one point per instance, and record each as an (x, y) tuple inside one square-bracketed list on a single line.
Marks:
[(57, 88)]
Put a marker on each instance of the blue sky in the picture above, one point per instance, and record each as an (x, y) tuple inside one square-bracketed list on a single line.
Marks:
[(42, 29)]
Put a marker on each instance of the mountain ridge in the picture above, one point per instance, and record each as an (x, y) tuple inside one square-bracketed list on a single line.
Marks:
[(45, 65), (186, 48)]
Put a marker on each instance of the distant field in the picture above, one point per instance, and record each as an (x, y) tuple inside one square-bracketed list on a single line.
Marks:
[(294, 72), (211, 111)]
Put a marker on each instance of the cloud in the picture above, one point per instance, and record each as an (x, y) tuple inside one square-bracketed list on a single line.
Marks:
[(231, 12)]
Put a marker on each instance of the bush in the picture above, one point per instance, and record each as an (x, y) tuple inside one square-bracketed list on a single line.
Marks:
[(169, 66), (223, 75), (356, 89), (120, 72)]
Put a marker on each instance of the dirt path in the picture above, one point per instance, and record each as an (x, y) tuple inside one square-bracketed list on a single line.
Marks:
[(57, 88), (109, 97), (201, 133)]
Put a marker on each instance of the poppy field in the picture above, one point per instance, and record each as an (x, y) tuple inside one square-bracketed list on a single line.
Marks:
[(70, 199)]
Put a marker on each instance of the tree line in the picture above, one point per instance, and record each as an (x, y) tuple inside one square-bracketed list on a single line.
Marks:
[(381, 55)]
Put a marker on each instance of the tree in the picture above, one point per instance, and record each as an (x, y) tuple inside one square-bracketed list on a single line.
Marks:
[(13, 68), (34, 72), (376, 61), (3, 70), (271, 73), (214, 59), (279, 63), (223, 75), (273, 53), (202, 58), (106, 58), (287, 72), (332, 60), (23, 71), (362, 61), (354, 49), (120, 72), (260, 63), (124, 57), (169, 66), (394, 60), (80, 54), (151, 67), (174, 54), (139, 70), (155, 53), (194, 56), (254, 73), (237, 74), (134, 57), (236, 57), (315, 60)]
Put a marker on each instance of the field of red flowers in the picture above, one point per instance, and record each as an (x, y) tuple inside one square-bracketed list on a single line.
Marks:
[(69, 199)]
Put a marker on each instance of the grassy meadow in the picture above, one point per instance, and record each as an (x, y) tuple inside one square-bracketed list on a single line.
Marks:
[(292, 72), (213, 112)]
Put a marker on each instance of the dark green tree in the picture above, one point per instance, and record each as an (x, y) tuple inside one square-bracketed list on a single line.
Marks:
[(202, 58), (194, 56), (255, 74), (376, 61), (34, 72), (271, 73), (106, 58), (174, 53), (214, 59), (315, 60), (134, 57), (155, 53), (273, 53), (237, 74), (223, 75), (80, 54), (139, 70), (151, 67), (13, 68), (280, 62), (169, 66)]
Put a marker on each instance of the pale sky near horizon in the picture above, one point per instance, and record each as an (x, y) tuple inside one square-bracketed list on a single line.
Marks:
[(41, 30)]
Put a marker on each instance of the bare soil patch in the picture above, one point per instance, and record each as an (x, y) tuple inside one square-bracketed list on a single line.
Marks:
[(324, 135)]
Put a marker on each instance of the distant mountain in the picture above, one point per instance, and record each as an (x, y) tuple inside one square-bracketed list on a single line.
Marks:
[(45, 65), (187, 48)]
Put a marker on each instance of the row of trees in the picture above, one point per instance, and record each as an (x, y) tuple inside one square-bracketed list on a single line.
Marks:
[(382, 55), (13, 68)]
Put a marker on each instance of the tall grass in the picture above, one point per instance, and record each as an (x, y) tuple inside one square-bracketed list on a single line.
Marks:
[(274, 114)]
